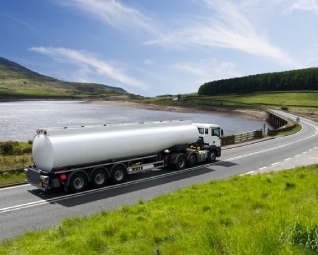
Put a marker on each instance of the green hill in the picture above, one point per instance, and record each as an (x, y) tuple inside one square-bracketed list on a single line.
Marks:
[(303, 79), (18, 82)]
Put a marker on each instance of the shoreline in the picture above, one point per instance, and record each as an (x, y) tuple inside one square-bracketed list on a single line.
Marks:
[(249, 114)]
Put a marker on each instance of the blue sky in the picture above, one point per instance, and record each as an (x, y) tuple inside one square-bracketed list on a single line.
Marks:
[(160, 47)]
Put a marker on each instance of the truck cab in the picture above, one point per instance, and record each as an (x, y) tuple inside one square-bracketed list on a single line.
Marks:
[(210, 133)]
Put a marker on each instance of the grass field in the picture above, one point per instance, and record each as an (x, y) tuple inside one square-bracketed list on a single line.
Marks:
[(273, 213), (15, 155), (303, 99), (297, 102), (21, 83)]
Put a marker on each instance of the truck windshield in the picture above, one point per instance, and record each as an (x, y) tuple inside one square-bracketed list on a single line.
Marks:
[(215, 132)]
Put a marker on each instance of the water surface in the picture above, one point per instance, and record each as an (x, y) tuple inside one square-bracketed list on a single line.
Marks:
[(19, 120)]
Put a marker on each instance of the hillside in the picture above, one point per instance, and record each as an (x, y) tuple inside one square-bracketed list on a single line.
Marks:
[(17, 81), (303, 79)]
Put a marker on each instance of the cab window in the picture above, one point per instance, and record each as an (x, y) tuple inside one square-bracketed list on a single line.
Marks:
[(216, 132), (201, 130)]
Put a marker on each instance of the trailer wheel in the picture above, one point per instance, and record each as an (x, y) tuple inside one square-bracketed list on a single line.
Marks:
[(211, 156), (192, 160), (119, 174), (181, 162), (78, 182), (99, 178)]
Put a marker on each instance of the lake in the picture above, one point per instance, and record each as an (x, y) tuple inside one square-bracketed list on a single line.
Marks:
[(20, 120)]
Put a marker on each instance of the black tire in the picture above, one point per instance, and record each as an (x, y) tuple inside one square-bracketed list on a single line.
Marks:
[(211, 156), (78, 182), (99, 178), (181, 162), (119, 174), (192, 160)]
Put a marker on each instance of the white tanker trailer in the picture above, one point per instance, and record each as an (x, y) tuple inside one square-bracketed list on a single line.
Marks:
[(72, 157)]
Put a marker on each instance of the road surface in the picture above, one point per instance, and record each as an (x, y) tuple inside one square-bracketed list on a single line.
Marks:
[(27, 208)]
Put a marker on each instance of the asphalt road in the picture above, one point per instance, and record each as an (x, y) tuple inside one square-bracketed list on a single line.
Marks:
[(27, 208)]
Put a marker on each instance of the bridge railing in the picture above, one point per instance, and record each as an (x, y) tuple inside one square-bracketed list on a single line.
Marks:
[(281, 123), (242, 137)]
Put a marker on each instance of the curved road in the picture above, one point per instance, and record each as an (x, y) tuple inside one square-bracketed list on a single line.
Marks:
[(25, 207)]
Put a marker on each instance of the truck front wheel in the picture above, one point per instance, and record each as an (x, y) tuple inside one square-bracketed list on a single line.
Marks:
[(78, 182), (181, 162), (119, 174), (211, 157)]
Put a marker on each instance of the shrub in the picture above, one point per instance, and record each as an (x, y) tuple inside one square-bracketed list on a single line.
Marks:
[(6, 148), (11, 148)]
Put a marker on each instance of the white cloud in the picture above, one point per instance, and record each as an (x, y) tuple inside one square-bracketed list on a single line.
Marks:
[(310, 57), (226, 27), (148, 62), (115, 14), (208, 70), (89, 63), (305, 5)]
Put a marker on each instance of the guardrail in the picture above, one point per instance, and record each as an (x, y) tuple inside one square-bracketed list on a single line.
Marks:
[(274, 119), (238, 138)]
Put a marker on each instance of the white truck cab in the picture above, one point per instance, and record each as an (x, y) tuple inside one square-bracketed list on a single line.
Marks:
[(210, 133)]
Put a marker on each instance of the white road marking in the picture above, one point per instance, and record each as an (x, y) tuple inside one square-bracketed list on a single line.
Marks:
[(87, 192), (15, 187), (41, 202), (247, 173)]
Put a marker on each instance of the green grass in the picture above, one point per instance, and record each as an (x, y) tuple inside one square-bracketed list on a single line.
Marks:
[(279, 99), (263, 100), (15, 148), (302, 103), (16, 83), (15, 155), (273, 213), (11, 177), (8, 163), (291, 131)]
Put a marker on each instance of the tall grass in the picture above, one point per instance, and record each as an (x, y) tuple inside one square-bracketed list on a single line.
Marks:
[(15, 155), (11, 177), (9, 163), (274, 213)]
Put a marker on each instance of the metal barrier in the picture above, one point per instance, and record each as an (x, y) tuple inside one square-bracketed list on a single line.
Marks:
[(238, 138), (280, 123)]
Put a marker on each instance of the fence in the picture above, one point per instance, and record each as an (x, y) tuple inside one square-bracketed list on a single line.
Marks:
[(237, 138), (286, 124)]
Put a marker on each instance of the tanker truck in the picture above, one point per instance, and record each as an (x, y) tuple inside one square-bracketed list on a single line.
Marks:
[(73, 157)]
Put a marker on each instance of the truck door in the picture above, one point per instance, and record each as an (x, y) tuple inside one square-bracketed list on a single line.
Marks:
[(204, 134), (216, 133)]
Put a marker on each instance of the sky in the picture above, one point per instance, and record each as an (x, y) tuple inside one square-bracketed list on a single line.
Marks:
[(153, 48)]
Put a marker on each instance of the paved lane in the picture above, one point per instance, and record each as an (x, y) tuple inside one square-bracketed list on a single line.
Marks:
[(25, 207)]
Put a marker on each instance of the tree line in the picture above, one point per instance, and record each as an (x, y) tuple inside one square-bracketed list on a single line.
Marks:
[(303, 79)]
